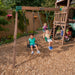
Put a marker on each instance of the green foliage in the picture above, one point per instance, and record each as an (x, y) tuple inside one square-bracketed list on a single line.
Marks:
[(32, 32), (39, 29), (27, 21), (7, 4), (29, 2), (21, 23), (3, 13), (48, 3), (21, 26), (6, 29), (19, 35), (3, 21), (1, 28), (9, 39), (4, 40), (13, 13), (73, 5)]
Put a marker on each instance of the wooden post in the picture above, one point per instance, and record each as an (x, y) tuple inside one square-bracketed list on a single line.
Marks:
[(14, 45), (68, 3), (54, 23)]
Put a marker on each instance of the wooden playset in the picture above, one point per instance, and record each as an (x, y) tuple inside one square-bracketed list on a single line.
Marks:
[(64, 16), (62, 8)]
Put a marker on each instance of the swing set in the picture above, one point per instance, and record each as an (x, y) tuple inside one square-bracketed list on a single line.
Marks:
[(16, 22)]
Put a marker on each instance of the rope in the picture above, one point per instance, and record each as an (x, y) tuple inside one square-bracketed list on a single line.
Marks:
[(24, 17), (33, 21), (47, 15), (40, 19)]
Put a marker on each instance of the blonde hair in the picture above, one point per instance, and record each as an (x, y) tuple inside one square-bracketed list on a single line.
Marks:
[(45, 24)]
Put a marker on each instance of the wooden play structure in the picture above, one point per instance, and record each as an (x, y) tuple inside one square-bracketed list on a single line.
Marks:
[(60, 19), (64, 16)]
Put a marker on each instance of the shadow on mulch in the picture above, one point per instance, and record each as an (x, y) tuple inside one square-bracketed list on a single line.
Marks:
[(44, 53), (64, 48), (5, 55)]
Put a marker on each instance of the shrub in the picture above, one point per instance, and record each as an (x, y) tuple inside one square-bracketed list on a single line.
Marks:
[(3, 13), (21, 18), (18, 35), (1, 28), (32, 32), (3, 21), (14, 13), (39, 29), (10, 37), (21, 26)]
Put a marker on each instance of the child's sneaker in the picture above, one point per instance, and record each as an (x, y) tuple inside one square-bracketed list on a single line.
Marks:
[(50, 48), (32, 52), (38, 52)]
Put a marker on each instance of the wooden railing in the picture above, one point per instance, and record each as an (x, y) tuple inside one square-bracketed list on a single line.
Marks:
[(60, 17)]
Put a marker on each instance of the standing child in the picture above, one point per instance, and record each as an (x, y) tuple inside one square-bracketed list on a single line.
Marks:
[(44, 28), (61, 33), (69, 33), (49, 40), (33, 44)]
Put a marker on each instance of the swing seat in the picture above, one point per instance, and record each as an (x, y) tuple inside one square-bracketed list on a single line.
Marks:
[(43, 30), (35, 17), (28, 46)]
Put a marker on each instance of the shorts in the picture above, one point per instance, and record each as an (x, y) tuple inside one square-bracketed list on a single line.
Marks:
[(33, 45), (49, 40)]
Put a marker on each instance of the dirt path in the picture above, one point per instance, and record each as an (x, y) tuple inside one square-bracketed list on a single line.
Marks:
[(59, 61)]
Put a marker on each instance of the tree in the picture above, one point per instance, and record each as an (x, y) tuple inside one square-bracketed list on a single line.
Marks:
[(29, 2), (1, 4), (48, 3), (6, 4)]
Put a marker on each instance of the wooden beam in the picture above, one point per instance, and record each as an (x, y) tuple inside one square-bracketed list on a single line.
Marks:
[(14, 45), (40, 8)]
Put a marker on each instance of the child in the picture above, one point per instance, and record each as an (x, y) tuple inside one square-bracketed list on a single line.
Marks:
[(44, 28), (33, 44), (66, 38), (47, 35), (69, 33), (61, 33)]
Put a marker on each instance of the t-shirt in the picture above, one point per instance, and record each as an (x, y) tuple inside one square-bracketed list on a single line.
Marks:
[(61, 32), (44, 27), (47, 36), (69, 33), (32, 41)]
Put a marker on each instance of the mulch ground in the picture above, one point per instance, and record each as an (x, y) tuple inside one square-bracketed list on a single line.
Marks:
[(59, 61)]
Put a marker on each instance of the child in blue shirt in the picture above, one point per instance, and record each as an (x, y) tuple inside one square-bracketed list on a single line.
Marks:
[(33, 44)]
